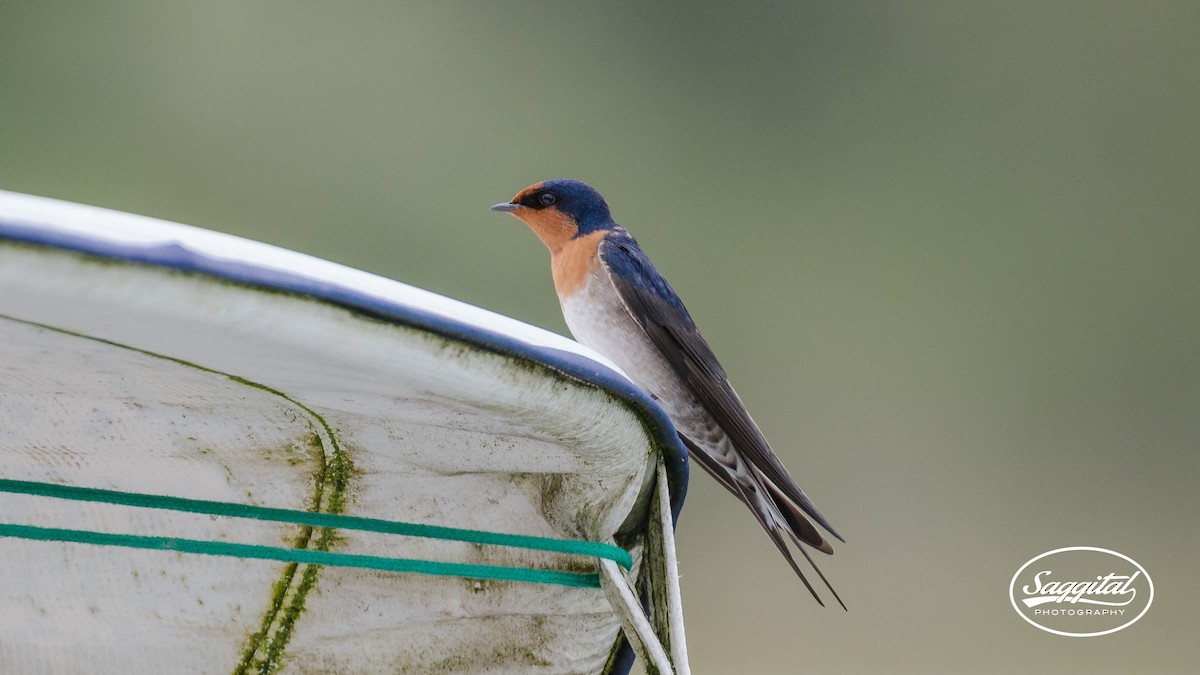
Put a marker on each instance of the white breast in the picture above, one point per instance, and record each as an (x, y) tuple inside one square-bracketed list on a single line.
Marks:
[(598, 319)]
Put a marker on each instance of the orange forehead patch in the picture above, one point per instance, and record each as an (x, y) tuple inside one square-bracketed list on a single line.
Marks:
[(527, 191)]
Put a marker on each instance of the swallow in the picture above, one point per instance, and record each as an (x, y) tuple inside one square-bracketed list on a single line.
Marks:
[(616, 302)]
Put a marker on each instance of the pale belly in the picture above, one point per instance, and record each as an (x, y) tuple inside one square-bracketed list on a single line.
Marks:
[(598, 319)]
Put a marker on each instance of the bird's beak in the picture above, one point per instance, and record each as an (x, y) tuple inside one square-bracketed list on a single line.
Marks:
[(506, 206)]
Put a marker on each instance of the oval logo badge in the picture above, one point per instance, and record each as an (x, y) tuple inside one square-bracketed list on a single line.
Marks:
[(1081, 591)]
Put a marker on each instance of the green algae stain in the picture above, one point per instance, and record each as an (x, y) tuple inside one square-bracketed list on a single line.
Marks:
[(264, 650)]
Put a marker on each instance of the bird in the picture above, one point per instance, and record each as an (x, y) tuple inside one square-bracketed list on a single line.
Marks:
[(616, 302)]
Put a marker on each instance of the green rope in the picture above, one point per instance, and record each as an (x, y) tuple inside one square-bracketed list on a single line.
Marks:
[(299, 555), (140, 500)]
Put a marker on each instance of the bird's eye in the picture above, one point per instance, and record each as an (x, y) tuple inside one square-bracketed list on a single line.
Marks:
[(547, 198)]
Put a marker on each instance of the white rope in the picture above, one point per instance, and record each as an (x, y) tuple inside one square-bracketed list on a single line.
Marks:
[(661, 569), (675, 631), (633, 619)]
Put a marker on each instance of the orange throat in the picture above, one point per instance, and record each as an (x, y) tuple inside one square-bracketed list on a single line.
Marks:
[(552, 227), (574, 262)]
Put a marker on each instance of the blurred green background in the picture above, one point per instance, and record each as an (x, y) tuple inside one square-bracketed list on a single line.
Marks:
[(946, 250)]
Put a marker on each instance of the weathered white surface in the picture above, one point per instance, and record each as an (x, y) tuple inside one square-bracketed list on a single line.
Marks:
[(117, 375), (130, 229)]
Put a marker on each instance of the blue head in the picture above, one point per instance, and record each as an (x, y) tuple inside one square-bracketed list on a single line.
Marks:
[(560, 210)]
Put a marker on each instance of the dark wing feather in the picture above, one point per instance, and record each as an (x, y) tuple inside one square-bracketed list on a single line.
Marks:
[(656, 307), (773, 532)]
